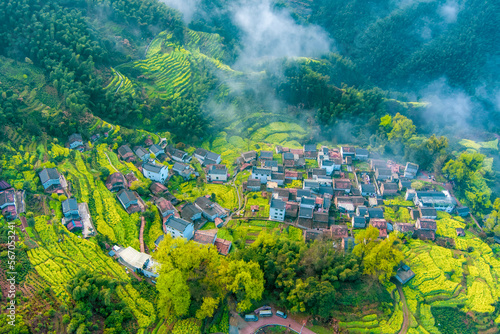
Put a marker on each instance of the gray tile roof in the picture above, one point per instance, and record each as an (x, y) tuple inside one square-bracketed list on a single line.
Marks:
[(178, 224), (49, 174), (152, 168), (277, 204), (69, 205)]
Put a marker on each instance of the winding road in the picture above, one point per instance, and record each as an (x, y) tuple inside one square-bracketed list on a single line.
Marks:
[(406, 312)]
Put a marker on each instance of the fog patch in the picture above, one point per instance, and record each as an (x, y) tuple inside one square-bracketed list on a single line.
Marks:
[(186, 7), (449, 11), (268, 33)]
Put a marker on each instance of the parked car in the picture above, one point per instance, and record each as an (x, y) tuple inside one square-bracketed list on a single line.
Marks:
[(251, 317), (281, 314), (262, 308), (266, 313)]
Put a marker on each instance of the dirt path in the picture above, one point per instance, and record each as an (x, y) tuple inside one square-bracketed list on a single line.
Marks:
[(406, 312), (141, 233), (110, 162)]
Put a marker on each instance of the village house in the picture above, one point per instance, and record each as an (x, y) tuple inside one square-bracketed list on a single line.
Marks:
[(310, 152), (206, 157), (141, 263), (184, 170), (404, 227), (205, 237), (8, 203), (148, 141), (272, 164), (342, 185), (277, 210), (382, 174), (427, 213), (330, 166), (288, 159), (362, 211), (71, 214), (142, 153), (155, 172), (361, 154), (209, 209), (358, 222), (279, 178), (411, 170), (116, 182), (75, 142), (339, 231), (404, 184), (375, 213), (414, 214), (191, 212), (178, 227), (320, 219), (381, 225), (266, 155), (157, 188), (177, 155), (291, 209), (125, 153), (253, 184), (217, 173), (249, 156), (50, 179), (346, 151), (388, 189), (426, 224), (291, 175), (348, 204), (128, 200), (156, 150), (223, 246), (463, 211), (460, 232), (440, 200), (367, 189), (315, 234), (165, 207), (404, 274), (262, 174), (377, 163), (312, 185)]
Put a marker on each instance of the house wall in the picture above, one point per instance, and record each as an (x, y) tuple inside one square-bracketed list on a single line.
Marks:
[(159, 177), (262, 177), (276, 214), (50, 183), (218, 177), (189, 232), (75, 144)]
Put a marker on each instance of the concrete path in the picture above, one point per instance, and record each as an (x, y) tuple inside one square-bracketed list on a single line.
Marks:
[(406, 312)]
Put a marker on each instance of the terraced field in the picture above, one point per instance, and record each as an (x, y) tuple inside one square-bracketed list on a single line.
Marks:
[(166, 76), (121, 83), (466, 279), (205, 43)]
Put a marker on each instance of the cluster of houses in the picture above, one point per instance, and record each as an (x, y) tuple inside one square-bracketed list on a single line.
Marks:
[(355, 196)]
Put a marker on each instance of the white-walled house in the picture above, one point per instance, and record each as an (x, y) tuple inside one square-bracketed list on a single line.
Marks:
[(277, 210), (178, 227), (261, 174), (155, 172)]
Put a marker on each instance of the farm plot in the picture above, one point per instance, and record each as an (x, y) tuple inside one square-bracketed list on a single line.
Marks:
[(121, 83), (166, 76), (465, 279)]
